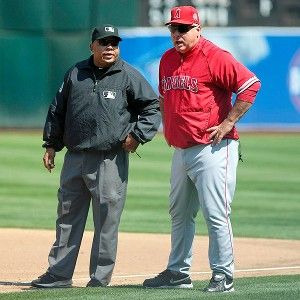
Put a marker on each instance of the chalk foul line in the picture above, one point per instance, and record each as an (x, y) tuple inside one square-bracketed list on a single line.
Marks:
[(199, 273)]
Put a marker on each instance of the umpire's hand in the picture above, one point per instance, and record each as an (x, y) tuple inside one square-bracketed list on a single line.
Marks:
[(130, 144), (48, 159)]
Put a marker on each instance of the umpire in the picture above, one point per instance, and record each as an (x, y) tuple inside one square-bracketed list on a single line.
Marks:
[(103, 110)]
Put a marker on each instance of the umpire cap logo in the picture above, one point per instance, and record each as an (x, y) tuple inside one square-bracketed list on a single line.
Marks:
[(109, 29), (109, 95)]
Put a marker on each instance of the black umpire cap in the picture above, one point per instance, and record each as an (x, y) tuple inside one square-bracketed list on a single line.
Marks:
[(106, 30)]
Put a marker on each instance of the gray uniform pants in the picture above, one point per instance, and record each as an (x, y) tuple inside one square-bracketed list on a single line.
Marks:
[(203, 176), (102, 177)]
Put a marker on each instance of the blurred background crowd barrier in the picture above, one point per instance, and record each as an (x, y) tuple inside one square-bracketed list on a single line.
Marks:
[(41, 39)]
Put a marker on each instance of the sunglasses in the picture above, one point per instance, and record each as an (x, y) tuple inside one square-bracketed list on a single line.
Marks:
[(106, 42), (180, 28)]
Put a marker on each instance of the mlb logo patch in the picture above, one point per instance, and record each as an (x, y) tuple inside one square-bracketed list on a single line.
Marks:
[(109, 95), (109, 29)]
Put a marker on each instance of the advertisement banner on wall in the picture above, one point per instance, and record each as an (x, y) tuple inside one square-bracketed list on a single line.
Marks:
[(273, 54)]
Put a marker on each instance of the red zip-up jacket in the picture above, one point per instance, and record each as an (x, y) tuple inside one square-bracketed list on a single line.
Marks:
[(197, 88)]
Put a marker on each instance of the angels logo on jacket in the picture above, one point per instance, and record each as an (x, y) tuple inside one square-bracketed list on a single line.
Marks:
[(109, 95), (182, 82)]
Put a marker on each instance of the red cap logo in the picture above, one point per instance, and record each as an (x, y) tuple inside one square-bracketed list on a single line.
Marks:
[(177, 13), (184, 15)]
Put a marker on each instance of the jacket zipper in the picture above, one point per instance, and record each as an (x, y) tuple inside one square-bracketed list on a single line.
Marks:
[(180, 74), (95, 82)]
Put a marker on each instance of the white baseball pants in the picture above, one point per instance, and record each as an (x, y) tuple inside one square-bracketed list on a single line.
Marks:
[(203, 176)]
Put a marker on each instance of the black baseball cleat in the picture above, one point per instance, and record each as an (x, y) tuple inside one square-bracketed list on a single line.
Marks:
[(94, 283), (220, 283), (49, 280), (169, 279)]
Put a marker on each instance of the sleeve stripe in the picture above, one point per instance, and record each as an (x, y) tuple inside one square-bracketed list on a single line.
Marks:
[(248, 83)]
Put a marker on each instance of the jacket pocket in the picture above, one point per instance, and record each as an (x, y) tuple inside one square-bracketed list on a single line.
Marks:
[(111, 100), (194, 123)]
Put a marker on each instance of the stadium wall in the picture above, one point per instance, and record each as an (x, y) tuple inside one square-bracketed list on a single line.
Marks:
[(39, 41)]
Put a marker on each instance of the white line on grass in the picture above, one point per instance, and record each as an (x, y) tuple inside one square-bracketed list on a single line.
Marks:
[(18, 283), (197, 273)]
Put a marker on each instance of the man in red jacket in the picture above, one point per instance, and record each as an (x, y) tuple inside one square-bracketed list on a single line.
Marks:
[(196, 82)]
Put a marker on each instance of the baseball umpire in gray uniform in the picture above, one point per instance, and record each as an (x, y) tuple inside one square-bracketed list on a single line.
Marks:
[(103, 110)]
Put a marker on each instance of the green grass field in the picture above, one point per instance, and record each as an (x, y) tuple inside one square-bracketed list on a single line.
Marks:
[(266, 205), (260, 288)]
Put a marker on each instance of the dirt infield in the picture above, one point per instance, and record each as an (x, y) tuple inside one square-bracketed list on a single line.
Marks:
[(24, 257)]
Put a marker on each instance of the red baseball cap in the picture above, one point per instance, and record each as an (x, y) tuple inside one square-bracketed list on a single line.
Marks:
[(187, 15)]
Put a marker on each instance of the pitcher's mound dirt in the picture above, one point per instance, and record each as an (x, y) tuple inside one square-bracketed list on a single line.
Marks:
[(24, 257)]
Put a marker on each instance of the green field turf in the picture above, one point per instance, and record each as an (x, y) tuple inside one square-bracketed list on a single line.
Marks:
[(259, 288), (266, 202)]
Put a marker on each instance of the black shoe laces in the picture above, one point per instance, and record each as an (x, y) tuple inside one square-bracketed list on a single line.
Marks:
[(163, 274)]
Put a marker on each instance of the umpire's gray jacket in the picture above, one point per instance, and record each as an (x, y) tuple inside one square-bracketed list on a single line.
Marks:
[(90, 114)]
